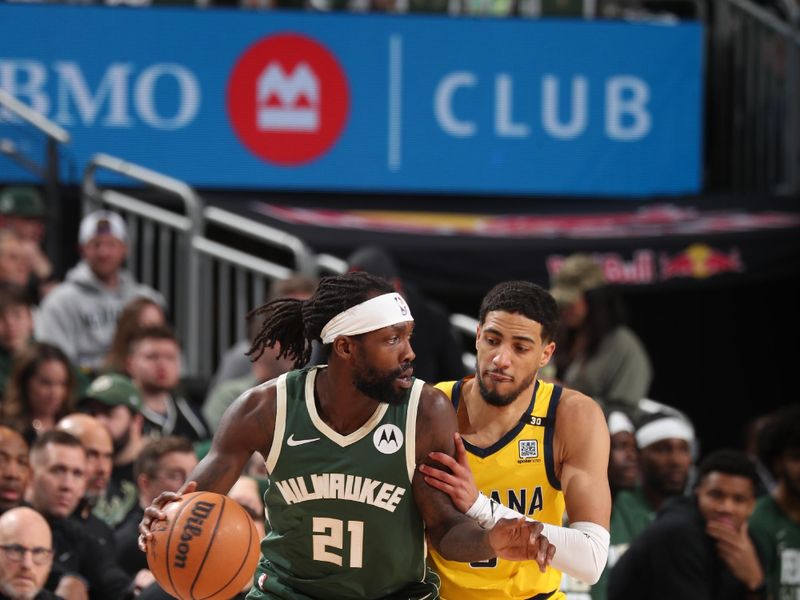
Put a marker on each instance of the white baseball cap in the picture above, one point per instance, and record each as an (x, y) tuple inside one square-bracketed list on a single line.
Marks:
[(100, 222)]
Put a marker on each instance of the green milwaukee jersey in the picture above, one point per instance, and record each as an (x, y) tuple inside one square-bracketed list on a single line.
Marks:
[(342, 517), (779, 538)]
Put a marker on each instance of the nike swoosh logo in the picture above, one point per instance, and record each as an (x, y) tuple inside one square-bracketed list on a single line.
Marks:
[(293, 442)]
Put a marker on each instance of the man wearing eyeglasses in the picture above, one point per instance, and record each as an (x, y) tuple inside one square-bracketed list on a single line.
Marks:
[(26, 555)]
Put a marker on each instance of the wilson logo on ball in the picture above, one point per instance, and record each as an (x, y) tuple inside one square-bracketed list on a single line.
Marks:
[(288, 99), (192, 529)]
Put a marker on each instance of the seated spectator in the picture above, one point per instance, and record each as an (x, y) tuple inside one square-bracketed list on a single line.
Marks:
[(776, 520), (26, 555), (265, 367), (15, 468), (15, 474), (235, 363), (154, 364), (623, 474), (14, 267), (80, 314), (138, 313), (439, 353), (40, 391), (57, 485), (96, 441), (623, 463), (665, 460), (16, 327), (700, 546), (116, 403), (23, 211), (596, 352), (162, 466)]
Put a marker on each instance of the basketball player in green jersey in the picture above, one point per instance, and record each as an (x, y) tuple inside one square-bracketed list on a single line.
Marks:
[(348, 511), (531, 445)]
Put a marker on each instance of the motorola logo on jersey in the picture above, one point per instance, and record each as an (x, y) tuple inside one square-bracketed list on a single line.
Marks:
[(388, 439), (288, 99)]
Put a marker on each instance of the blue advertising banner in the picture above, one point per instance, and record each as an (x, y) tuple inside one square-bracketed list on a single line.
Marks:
[(381, 103)]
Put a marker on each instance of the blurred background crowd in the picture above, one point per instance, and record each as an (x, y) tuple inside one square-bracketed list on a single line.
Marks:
[(124, 325)]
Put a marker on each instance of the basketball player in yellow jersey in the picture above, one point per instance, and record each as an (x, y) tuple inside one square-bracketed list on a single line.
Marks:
[(534, 448)]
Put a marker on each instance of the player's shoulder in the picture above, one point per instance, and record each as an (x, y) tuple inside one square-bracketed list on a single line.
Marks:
[(260, 400), (434, 395), (575, 406), (433, 402)]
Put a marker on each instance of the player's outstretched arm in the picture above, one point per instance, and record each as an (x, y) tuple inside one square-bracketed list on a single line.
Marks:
[(246, 427), (455, 536), (583, 444)]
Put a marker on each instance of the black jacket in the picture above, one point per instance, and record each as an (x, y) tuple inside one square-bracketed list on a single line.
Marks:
[(76, 551), (674, 558)]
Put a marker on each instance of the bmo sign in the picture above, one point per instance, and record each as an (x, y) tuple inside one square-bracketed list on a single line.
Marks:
[(288, 99), (365, 103)]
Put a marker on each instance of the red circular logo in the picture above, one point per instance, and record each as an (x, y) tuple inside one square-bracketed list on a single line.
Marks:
[(288, 99)]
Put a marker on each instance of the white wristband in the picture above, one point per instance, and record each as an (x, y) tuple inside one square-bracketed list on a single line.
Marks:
[(581, 550), (481, 511)]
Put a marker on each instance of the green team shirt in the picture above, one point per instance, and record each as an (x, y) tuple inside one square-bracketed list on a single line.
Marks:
[(630, 514), (779, 538), (342, 517)]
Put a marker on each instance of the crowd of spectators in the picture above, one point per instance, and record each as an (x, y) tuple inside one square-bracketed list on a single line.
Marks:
[(95, 423)]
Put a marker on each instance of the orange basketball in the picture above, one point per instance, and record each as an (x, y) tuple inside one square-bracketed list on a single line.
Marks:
[(207, 549)]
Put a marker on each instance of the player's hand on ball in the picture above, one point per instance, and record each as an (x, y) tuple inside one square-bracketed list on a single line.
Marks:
[(518, 539), (155, 512)]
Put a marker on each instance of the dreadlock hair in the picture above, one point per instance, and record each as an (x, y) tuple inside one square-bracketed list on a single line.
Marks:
[(525, 298), (296, 323)]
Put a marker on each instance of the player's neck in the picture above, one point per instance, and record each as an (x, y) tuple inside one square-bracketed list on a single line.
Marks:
[(789, 503), (488, 423), (342, 407)]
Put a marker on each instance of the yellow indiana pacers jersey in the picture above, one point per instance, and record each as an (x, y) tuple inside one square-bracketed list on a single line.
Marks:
[(518, 471)]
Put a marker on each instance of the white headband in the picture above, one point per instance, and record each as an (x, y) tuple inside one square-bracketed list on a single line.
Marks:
[(663, 429), (375, 313), (619, 422)]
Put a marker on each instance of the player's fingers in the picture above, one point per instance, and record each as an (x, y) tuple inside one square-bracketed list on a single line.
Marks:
[(188, 487), (461, 452), (439, 485), (535, 527), (435, 473), (541, 554), (443, 459), (165, 498)]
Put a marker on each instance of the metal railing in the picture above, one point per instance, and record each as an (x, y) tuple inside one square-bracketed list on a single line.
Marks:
[(209, 284), (161, 253), (234, 281), (754, 82), (49, 172)]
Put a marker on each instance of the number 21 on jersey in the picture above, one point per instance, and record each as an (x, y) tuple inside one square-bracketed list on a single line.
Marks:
[(329, 535)]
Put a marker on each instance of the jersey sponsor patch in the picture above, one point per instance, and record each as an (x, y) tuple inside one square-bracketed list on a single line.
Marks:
[(388, 439), (529, 449)]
